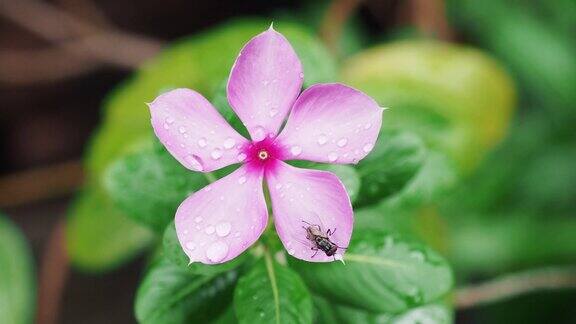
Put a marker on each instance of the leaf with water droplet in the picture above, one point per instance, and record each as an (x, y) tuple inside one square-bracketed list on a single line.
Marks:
[(272, 293), (170, 294), (381, 274), (149, 185), (395, 160)]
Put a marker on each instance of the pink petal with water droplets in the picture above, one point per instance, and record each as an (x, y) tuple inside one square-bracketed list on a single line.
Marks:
[(219, 222), (302, 198), (332, 123), (264, 83), (194, 132)]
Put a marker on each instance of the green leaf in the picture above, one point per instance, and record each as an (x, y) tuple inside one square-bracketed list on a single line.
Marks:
[(436, 313), (174, 254), (395, 160), (149, 185), (272, 293), (99, 237), (17, 282), (384, 273), (169, 294)]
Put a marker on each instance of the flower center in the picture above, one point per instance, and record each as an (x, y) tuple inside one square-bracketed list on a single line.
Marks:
[(263, 155)]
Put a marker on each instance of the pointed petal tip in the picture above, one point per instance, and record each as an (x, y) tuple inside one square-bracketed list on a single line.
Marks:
[(271, 26)]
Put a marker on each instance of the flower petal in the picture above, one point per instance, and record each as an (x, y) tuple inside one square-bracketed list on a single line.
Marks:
[(219, 222), (264, 83), (332, 123), (302, 198), (194, 132)]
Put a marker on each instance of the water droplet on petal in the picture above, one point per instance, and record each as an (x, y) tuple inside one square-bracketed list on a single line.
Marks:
[(333, 156), (169, 120), (210, 230), (279, 186), (273, 112), (190, 246), (342, 142), (242, 180), (223, 229), (301, 75), (198, 219), (322, 139), (237, 234), (368, 147), (194, 162), (202, 142), (258, 133), (291, 251), (229, 143), (296, 150), (216, 154), (241, 157), (182, 129), (166, 126), (367, 126), (217, 251)]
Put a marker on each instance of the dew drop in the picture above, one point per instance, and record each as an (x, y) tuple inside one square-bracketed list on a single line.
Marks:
[(301, 75), (202, 142), (190, 246), (229, 143), (332, 156), (258, 133), (166, 126), (322, 139), (217, 251), (367, 126), (210, 230), (342, 142), (198, 219), (237, 234), (182, 129), (223, 229), (279, 186), (194, 162), (368, 147), (242, 180), (241, 157), (291, 251), (169, 120), (216, 154), (273, 112), (296, 150)]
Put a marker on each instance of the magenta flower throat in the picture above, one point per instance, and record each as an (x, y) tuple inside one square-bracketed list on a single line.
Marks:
[(327, 123)]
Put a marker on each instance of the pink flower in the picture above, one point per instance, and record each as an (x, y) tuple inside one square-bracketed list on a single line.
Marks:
[(329, 123)]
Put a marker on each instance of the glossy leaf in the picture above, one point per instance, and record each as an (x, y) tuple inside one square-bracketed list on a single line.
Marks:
[(169, 294), (384, 273), (436, 313), (174, 254), (98, 236), (149, 185), (17, 282), (395, 160), (272, 293)]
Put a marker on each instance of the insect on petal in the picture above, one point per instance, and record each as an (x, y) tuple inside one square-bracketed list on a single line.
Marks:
[(194, 132), (219, 222), (332, 123), (264, 83), (302, 198)]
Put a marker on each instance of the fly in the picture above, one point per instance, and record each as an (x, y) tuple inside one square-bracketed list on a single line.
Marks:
[(321, 240)]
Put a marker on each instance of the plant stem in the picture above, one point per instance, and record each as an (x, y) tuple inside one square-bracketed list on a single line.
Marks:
[(515, 284), (334, 20)]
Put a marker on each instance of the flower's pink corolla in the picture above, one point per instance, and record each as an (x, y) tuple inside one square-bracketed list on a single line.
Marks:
[(329, 123)]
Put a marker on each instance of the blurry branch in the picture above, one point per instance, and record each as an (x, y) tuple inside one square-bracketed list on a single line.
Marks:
[(53, 275), (429, 17), (41, 183), (88, 10), (334, 20), (79, 41), (515, 284)]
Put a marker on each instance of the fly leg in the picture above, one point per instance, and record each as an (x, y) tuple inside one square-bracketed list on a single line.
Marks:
[(315, 249)]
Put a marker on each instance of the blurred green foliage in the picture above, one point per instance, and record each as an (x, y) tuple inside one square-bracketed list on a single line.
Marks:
[(17, 281)]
